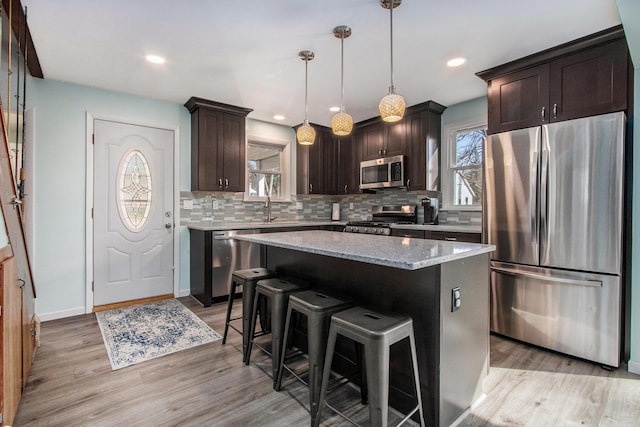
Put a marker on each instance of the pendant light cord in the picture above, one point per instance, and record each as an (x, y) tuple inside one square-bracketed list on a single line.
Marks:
[(306, 80), (342, 73), (392, 89)]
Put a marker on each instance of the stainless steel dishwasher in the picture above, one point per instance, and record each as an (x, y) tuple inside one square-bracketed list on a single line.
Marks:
[(229, 255)]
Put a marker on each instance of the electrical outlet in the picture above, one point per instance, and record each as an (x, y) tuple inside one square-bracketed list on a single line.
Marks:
[(214, 204), (351, 206), (456, 299), (298, 205), (187, 204)]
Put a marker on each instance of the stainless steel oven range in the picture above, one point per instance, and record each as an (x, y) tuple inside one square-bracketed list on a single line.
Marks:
[(383, 216)]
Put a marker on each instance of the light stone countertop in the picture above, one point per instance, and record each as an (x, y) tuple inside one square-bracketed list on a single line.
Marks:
[(457, 228), (226, 226), (399, 252)]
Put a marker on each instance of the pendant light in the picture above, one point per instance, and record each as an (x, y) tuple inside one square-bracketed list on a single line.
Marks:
[(306, 134), (391, 106), (342, 122)]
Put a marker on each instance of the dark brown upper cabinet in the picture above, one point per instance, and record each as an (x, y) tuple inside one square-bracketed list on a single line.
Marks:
[(310, 171), (585, 77), (332, 164), (381, 139), (218, 145)]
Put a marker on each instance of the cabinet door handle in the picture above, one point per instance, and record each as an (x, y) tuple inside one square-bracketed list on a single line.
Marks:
[(451, 239), (310, 188), (220, 182), (226, 183), (345, 188), (555, 111), (408, 182), (543, 113), (379, 152)]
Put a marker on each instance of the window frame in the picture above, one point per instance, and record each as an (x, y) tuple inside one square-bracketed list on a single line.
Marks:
[(285, 168), (449, 167)]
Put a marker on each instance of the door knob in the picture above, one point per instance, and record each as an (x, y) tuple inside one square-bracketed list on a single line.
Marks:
[(168, 225)]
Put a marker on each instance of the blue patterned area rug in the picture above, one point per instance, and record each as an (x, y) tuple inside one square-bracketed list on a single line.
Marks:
[(143, 332)]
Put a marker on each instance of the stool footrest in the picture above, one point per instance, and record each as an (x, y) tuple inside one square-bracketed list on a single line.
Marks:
[(341, 414)]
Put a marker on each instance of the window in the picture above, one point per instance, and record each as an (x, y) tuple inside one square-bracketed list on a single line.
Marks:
[(267, 170), (462, 168), (134, 190)]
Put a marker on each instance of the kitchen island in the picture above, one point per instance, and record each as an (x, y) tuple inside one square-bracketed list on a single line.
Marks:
[(415, 277)]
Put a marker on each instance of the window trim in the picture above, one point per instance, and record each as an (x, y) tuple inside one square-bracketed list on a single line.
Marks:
[(449, 133), (285, 167)]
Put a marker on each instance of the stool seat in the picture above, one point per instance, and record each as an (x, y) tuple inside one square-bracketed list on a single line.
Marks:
[(377, 332), (360, 322), (278, 291), (282, 286), (318, 302), (248, 279), (254, 274)]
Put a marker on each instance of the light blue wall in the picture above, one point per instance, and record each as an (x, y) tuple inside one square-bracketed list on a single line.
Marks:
[(629, 11), (59, 181), (472, 110), (4, 240)]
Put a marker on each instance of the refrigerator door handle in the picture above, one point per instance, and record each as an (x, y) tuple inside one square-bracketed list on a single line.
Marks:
[(554, 279), (544, 194), (533, 206)]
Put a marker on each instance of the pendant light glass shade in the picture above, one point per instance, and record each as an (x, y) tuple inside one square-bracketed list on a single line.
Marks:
[(393, 105), (342, 122), (306, 134)]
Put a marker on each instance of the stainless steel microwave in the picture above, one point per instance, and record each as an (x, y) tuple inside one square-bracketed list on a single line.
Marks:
[(386, 172)]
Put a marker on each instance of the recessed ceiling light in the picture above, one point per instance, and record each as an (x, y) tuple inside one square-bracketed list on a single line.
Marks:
[(456, 62), (155, 59), (278, 117), (334, 109)]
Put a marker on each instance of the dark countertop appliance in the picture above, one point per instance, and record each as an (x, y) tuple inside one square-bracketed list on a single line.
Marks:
[(382, 218), (430, 207)]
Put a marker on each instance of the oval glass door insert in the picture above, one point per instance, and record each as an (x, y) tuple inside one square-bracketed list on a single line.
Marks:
[(134, 190)]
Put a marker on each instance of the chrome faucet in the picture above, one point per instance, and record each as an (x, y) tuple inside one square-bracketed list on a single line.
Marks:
[(267, 206)]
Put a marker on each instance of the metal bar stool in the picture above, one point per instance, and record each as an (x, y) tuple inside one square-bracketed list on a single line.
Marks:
[(278, 291), (376, 332), (318, 308), (248, 279)]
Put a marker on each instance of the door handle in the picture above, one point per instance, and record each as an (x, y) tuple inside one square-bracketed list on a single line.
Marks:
[(345, 188), (220, 183), (15, 201), (555, 111), (168, 226), (543, 113), (226, 183), (560, 280), (310, 188)]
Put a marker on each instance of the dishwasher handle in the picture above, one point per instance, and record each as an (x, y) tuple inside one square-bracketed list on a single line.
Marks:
[(559, 280)]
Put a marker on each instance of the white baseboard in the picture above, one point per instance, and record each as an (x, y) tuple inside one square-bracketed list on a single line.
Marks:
[(634, 367), (45, 317)]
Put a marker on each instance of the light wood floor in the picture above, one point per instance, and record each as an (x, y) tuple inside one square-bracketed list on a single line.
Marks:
[(71, 383)]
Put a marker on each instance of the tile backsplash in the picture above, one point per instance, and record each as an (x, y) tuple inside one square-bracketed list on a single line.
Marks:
[(231, 207)]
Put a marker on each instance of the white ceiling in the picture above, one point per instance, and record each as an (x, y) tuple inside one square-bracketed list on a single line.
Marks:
[(245, 52)]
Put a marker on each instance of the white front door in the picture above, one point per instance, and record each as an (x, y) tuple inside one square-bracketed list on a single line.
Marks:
[(132, 212)]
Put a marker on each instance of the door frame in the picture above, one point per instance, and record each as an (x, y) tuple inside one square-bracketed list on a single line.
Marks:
[(88, 298)]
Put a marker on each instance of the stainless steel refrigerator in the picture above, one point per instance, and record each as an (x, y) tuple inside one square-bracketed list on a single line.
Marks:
[(554, 210)]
